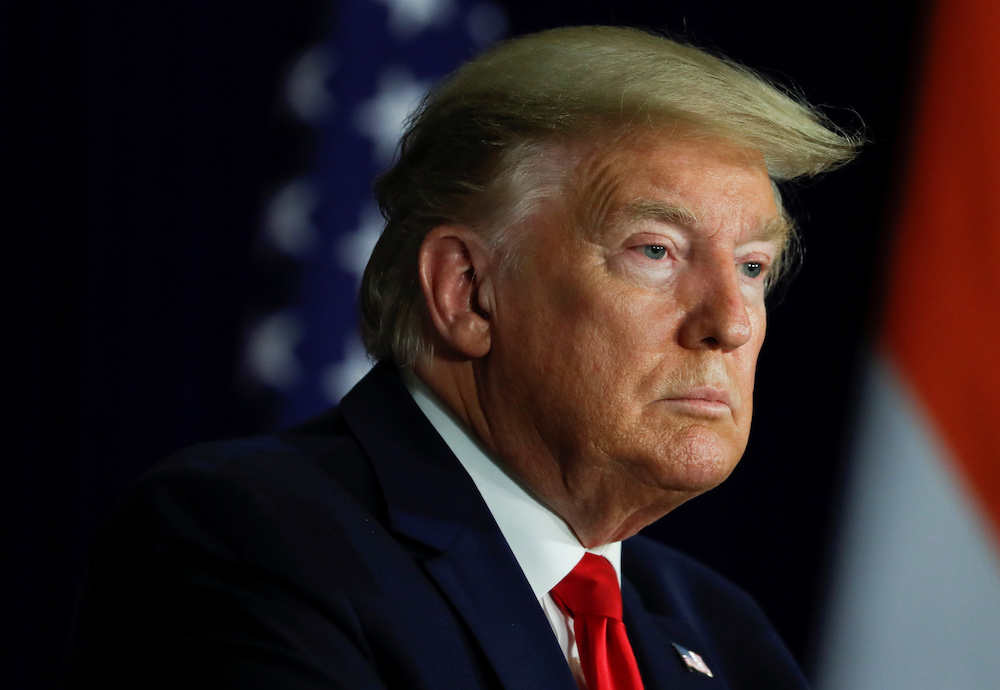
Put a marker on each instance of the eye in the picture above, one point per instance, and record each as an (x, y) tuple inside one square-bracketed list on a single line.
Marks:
[(654, 251), (752, 269)]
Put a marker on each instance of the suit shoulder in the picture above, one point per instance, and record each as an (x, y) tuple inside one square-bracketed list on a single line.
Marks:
[(281, 489), (245, 554), (324, 436), (315, 457)]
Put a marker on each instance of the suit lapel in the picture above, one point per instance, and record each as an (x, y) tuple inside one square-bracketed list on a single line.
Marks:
[(652, 636), (430, 498), (483, 581)]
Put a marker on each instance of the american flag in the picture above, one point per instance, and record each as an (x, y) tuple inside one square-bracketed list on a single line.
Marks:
[(356, 87)]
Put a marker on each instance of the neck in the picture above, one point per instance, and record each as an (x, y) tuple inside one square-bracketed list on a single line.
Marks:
[(598, 506)]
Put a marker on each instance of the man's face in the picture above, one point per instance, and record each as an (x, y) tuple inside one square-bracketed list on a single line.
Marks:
[(624, 345)]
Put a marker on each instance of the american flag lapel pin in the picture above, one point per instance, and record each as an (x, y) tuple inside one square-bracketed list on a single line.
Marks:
[(693, 660)]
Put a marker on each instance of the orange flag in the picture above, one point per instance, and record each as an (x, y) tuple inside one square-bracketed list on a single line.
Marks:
[(915, 596), (942, 324)]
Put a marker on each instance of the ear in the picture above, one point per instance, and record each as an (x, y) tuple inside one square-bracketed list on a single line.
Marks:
[(455, 275)]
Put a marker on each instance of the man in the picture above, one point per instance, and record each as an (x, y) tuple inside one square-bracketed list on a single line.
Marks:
[(566, 306)]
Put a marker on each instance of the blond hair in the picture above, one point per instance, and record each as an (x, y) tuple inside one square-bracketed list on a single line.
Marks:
[(473, 152)]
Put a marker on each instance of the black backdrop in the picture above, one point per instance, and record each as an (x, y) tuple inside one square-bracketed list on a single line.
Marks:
[(141, 139)]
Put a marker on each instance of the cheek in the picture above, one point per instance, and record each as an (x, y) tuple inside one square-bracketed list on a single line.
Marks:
[(752, 348), (745, 365), (647, 325), (618, 333)]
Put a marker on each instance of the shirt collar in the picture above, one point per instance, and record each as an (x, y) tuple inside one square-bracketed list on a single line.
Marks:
[(542, 542)]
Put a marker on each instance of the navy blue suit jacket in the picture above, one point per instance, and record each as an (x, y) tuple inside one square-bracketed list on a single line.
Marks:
[(354, 551)]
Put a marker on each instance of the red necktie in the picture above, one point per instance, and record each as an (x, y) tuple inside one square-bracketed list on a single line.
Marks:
[(590, 594)]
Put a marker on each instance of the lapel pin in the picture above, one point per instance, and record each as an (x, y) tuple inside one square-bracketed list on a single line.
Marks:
[(693, 661)]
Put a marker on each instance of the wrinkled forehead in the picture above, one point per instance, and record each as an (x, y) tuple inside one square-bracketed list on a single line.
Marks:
[(692, 181)]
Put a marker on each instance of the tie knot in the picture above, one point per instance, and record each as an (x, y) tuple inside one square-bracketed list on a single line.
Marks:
[(591, 588)]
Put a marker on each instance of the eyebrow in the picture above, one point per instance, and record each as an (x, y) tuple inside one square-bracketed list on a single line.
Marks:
[(646, 209), (775, 229)]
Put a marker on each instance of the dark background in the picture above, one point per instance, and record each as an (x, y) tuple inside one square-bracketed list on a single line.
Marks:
[(140, 141)]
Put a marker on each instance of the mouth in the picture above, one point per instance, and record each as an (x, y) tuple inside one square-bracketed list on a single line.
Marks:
[(703, 401)]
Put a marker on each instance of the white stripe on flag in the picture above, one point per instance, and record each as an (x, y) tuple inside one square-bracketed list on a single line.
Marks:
[(916, 595)]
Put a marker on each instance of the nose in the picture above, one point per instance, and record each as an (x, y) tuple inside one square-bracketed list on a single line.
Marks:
[(717, 316)]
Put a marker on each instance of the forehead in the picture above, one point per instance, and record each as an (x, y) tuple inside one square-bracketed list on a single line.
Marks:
[(702, 183)]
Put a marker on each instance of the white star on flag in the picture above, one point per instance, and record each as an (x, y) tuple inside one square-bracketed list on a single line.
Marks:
[(354, 248), (288, 222), (409, 17), (381, 118), (340, 377), (271, 350), (306, 90)]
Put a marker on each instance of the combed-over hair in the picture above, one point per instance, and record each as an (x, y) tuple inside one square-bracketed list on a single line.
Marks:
[(474, 153)]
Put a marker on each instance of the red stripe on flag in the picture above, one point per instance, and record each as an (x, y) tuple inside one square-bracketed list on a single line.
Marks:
[(943, 311)]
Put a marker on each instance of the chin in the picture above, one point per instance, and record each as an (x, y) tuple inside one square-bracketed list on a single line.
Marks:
[(694, 463)]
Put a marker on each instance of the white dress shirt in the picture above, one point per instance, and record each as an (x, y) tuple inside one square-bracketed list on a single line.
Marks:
[(543, 544)]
